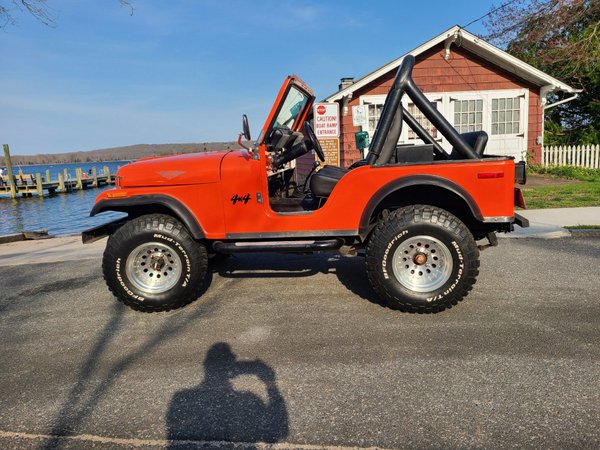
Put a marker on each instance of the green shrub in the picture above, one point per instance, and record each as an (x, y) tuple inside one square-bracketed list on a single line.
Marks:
[(570, 172)]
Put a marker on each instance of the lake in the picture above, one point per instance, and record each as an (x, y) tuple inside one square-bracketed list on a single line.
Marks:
[(61, 214)]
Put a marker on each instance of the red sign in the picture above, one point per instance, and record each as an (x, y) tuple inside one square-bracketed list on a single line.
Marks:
[(327, 120)]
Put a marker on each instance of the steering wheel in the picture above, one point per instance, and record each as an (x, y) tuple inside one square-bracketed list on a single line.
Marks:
[(313, 142)]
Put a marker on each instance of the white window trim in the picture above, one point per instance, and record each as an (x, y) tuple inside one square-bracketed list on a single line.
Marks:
[(364, 99)]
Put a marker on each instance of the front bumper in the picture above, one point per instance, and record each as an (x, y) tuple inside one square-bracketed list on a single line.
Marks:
[(96, 233)]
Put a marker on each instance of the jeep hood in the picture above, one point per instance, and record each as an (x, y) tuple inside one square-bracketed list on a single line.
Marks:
[(191, 168)]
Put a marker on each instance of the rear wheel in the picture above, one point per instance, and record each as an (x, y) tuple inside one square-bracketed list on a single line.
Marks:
[(153, 264), (422, 259)]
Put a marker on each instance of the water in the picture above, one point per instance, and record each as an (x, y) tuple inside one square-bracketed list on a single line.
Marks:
[(61, 214)]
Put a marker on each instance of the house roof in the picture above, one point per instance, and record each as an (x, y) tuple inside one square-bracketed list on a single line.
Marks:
[(475, 45)]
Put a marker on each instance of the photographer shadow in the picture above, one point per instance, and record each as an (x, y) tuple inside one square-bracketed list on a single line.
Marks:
[(215, 411)]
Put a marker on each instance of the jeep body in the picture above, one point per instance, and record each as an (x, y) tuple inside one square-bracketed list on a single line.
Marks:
[(251, 200)]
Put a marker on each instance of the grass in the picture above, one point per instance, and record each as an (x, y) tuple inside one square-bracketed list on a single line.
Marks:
[(570, 196), (584, 227), (586, 193)]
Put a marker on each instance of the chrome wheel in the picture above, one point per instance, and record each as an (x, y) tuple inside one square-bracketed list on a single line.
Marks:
[(422, 264), (153, 267)]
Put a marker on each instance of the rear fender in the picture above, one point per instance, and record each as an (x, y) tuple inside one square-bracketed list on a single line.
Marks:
[(421, 189)]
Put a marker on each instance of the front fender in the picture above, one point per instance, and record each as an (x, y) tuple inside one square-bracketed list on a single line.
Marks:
[(140, 203)]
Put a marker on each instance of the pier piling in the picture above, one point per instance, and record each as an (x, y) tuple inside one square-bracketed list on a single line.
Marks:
[(78, 175), (38, 184), (61, 183), (11, 177)]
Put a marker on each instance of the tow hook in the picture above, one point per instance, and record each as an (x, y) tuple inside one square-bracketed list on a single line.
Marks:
[(492, 239)]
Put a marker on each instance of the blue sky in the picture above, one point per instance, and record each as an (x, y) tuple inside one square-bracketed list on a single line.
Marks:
[(185, 70)]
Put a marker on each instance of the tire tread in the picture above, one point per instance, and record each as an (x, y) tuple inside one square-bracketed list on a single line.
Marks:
[(151, 223), (421, 214)]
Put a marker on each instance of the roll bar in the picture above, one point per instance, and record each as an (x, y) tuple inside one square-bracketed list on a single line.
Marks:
[(422, 133), (403, 83)]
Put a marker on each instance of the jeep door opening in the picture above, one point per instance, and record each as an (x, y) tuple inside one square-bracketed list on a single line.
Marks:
[(415, 212)]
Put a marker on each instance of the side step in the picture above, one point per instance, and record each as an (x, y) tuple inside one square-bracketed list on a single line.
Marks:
[(278, 246)]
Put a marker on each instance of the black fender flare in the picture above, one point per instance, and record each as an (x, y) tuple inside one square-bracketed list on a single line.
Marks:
[(410, 181), (180, 211)]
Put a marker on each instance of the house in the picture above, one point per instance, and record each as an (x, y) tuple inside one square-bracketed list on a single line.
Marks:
[(474, 84)]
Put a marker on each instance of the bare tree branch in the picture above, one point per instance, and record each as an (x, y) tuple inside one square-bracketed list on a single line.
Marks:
[(562, 38), (40, 9)]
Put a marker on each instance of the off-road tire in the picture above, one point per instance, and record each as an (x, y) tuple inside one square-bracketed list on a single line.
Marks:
[(394, 267), (174, 253)]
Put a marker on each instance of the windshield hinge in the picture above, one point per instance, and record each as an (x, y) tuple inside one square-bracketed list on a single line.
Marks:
[(259, 198)]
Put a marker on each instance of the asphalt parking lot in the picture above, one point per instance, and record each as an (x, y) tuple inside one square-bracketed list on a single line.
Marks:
[(296, 352)]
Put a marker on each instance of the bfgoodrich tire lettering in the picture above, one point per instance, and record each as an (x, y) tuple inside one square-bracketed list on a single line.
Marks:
[(422, 259), (153, 264)]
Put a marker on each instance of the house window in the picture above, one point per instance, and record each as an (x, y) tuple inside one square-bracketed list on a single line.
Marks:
[(468, 115), (506, 115), (423, 121), (373, 114)]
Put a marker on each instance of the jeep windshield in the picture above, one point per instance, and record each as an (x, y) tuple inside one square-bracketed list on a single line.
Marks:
[(290, 108)]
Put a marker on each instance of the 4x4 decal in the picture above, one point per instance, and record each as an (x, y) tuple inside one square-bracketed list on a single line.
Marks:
[(239, 199)]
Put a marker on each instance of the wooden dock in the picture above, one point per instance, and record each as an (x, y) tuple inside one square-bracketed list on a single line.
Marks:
[(27, 184)]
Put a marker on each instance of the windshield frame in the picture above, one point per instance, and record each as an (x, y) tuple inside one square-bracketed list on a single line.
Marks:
[(290, 82)]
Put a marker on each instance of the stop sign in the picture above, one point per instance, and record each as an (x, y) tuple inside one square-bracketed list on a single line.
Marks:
[(321, 109)]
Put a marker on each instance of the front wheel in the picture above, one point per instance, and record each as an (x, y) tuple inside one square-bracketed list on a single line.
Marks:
[(153, 264), (422, 259)]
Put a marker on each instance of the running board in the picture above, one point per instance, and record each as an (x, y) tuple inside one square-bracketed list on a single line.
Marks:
[(278, 246)]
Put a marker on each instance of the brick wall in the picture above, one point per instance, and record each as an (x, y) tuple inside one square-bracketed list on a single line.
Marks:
[(463, 72)]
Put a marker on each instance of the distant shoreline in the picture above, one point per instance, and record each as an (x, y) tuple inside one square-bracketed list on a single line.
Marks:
[(77, 162), (128, 153)]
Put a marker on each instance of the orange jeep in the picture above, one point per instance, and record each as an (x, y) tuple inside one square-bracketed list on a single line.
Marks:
[(415, 212)]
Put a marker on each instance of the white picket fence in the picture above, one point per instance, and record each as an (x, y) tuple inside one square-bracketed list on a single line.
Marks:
[(572, 155)]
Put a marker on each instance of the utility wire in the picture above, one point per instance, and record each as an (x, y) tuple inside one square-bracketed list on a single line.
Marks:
[(504, 5)]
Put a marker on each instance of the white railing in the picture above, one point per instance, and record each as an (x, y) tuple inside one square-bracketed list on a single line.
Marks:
[(572, 155)]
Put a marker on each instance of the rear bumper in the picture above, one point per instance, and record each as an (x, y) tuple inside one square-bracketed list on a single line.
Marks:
[(521, 221), (507, 223)]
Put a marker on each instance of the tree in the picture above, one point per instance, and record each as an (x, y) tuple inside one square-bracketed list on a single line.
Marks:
[(40, 9), (562, 38)]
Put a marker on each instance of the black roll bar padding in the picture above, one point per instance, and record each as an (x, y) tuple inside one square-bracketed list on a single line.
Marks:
[(390, 109), (391, 140), (435, 117), (423, 134)]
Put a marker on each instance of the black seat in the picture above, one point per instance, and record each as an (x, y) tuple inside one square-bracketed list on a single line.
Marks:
[(476, 139), (323, 181)]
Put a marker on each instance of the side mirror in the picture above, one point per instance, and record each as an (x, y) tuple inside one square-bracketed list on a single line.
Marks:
[(246, 127), (245, 133)]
